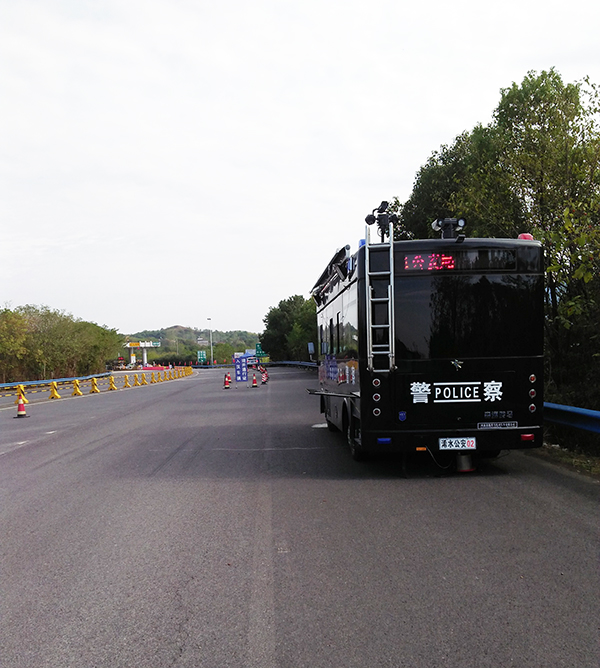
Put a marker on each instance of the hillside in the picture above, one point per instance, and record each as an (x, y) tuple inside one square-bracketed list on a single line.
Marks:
[(239, 339), (180, 345)]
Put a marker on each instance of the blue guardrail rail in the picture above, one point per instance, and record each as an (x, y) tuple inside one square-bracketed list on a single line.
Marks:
[(580, 418)]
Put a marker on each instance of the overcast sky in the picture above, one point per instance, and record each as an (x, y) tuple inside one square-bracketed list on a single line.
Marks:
[(164, 162)]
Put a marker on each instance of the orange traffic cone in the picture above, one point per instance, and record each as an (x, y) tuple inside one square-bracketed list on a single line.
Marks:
[(254, 383), (21, 413), (226, 383)]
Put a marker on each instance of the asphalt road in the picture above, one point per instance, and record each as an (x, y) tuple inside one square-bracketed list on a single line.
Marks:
[(181, 524)]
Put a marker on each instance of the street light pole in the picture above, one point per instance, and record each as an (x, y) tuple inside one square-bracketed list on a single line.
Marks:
[(211, 347)]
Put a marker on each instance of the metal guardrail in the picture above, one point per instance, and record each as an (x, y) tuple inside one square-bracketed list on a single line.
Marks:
[(51, 387), (571, 416), (58, 381), (308, 365)]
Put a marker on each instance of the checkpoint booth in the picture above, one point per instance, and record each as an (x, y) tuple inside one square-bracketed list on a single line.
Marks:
[(144, 345)]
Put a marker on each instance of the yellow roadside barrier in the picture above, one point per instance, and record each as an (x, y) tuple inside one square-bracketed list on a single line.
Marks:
[(21, 395), (138, 381)]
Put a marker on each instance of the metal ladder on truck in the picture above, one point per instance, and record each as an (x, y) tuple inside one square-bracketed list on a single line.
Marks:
[(379, 278)]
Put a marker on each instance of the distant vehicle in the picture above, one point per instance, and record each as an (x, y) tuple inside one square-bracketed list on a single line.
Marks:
[(433, 345)]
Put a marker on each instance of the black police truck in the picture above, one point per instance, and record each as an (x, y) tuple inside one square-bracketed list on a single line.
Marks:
[(432, 345)]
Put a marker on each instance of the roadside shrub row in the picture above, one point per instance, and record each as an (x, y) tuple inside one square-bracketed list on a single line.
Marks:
[(37, 343)]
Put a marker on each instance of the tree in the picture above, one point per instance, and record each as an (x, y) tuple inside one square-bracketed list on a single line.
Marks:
[(13, 334), (434, 186), (37, 342), (289, 327), (463, 179), (541, 140), (94, 346), (551, 149), (223, 351), (51, 348)]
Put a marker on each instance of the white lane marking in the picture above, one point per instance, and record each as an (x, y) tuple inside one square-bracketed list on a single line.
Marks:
[(17, 445), (321, 425), (20, 444)]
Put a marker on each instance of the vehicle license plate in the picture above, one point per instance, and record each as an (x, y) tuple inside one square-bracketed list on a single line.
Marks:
[(467, 443)]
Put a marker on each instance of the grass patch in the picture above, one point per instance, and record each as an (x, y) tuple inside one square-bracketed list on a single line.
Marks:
[(573, 460)]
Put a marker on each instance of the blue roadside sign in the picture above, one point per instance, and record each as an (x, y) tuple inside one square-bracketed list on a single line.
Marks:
[(241, 370)]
